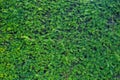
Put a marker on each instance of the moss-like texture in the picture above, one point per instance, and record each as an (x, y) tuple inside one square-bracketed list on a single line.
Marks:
[(59, 39)]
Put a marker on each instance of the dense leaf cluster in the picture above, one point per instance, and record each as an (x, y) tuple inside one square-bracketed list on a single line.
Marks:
[(59, 39)]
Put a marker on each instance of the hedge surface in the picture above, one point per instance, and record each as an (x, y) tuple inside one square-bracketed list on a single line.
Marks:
[(59, 39)]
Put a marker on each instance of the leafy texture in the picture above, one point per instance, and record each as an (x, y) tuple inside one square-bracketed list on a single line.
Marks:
[(59, 39)]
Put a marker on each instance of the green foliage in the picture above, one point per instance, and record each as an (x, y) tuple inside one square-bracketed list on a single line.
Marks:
[(59, 39)]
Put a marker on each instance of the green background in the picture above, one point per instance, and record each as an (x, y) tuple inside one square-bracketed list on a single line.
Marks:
[(59, 39)]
